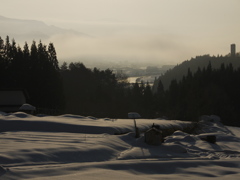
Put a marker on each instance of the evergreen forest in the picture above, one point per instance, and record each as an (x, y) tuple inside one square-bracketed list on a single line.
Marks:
[(75, 89)]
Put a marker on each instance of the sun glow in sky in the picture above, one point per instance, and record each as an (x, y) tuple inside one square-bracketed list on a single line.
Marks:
[(169, 31)]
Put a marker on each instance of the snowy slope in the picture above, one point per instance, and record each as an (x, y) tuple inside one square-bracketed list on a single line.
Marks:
[(77, 147)]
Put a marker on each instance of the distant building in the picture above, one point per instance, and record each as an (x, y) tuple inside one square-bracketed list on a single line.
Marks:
[(233, 50)]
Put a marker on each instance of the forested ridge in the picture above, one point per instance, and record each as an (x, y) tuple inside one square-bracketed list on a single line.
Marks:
[(74, 88), (207, 91), (181, 70)]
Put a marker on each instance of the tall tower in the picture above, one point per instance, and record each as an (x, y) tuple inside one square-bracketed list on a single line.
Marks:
[(233, 50)]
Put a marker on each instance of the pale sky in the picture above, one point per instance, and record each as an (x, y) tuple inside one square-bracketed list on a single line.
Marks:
[(169, 31)]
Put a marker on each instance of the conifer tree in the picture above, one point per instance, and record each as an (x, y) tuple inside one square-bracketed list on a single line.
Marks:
[(64, 67), (7, 50), (2, 63), (53, 56), (26, 52), (34, 52), (1, 51)]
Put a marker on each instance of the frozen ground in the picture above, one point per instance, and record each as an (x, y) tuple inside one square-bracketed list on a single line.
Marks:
[(77, 147)]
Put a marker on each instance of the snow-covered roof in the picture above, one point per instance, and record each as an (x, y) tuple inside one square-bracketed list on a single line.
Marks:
[(27, 107), (133, 115)]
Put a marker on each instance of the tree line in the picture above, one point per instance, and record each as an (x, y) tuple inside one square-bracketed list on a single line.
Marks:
[(74, 88), (102, 93), (34, 69), (207, 91), (71, 88), (202, 61)]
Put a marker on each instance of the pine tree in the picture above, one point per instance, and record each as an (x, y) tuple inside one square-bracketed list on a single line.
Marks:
[(53, 56), (1, 51), (148, 101), (26, 52), (34, 52), (160, 88), (13, 50), (64, 67), (2, 63), (7, 49), (42, 57)]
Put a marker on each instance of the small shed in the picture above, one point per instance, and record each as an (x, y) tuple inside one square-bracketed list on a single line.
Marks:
[(12, 99), (153, 136)]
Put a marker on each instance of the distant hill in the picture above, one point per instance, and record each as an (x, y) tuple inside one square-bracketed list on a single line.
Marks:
[(199, 61), (28, 30)]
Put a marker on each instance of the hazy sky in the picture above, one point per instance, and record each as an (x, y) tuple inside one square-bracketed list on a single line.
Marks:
[(168, 31)]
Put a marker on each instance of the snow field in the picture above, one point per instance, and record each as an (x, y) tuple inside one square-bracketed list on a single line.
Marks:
[(88, 149)]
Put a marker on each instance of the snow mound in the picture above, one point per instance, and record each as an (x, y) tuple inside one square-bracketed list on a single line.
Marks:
[(20, 115), (3, 113), (211, 118), (71, 116), (148, 152)]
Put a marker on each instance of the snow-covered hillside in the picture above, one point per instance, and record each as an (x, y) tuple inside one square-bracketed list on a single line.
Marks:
[(77, 147)]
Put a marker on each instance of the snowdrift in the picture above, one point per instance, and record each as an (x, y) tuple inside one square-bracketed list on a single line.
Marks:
[(78, 124)]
